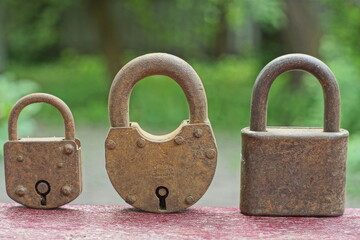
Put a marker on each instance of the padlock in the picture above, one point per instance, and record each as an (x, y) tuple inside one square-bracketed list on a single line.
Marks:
[(42, 172), (294, 171), (160, 174)]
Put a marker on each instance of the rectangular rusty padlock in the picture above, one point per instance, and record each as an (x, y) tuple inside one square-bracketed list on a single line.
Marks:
[(294, 171), (42, 172)]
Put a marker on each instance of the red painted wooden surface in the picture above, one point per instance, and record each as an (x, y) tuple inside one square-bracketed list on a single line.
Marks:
[(119, 222)]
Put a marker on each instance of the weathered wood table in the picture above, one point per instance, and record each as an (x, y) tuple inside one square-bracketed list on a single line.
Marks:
[(123, 222)]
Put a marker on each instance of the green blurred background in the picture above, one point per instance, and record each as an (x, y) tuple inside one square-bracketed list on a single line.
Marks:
[(73, 49)]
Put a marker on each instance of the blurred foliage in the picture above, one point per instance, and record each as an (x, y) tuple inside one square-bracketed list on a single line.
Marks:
[(158, 101), (78, 74), (353, 166), (33, 28), (268, 13), (77, 80)]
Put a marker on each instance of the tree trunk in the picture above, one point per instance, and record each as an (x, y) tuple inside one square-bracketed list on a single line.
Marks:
[(221, 35), (106, 27), (301, 34)]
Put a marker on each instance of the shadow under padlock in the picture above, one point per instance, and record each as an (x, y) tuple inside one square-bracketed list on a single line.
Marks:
[(42, 172), (160, 174)]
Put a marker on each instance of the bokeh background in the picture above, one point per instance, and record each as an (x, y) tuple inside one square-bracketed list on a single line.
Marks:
[(73, 49)]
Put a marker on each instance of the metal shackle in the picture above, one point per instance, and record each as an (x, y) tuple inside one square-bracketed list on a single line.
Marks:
[(41, 98), (295, 62), (156, 64)]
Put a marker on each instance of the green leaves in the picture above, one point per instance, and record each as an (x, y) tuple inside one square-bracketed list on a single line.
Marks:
[(268, 13)]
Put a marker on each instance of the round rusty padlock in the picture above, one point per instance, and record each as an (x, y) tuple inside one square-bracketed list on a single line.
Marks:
[(167, 173), (42, 172)]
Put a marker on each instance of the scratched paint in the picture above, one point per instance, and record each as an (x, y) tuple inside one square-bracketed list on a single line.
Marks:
[(120, 222)]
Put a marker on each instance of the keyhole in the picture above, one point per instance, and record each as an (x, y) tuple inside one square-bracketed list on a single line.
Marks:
[(42, 187), (162, 192)]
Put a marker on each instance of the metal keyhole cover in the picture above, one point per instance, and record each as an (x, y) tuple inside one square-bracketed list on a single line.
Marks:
[(137, 162), (294, 171), (55, 160)]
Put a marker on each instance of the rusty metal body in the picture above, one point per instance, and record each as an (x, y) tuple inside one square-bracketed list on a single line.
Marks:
[(42, 172), (294, 171), (160, 174)]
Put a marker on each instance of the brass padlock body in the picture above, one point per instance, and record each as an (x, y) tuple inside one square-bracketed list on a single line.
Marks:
[(293, 172), (185, 168), (29, 161)]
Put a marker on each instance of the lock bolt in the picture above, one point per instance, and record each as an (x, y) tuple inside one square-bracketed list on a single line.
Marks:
[(68, 149), (20, 190)]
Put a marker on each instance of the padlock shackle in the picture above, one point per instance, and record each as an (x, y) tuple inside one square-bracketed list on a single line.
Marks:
[(156, 64), (41, 98), (295, 62)]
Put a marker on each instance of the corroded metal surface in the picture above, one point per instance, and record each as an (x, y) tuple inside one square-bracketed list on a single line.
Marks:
[(293, 172), (167, 173), (122, 222), (42, 172), (185, 168), (288, 171)]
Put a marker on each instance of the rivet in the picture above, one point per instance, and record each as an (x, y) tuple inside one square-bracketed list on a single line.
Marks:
[(68, 149), (66, 190), (141, 143), (179, 140), (130, 199), (20, 158), (189, 200), (210, 153), (20, 190), (111, 145), (198, 132)]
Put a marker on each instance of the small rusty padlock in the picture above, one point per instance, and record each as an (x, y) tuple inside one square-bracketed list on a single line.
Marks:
[(160, 174), (294, 171), (42, 172)]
